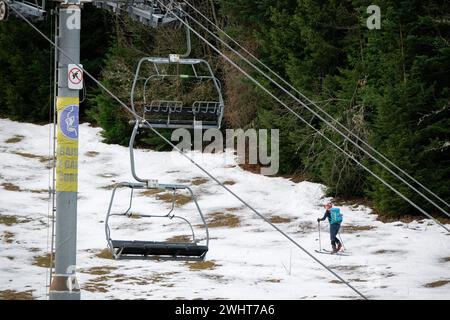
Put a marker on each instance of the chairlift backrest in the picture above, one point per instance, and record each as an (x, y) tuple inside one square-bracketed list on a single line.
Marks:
[(177, 92)]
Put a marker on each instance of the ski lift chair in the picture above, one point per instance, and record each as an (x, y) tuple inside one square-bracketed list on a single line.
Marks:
[(132, 249), (171, 111), (144, 249)]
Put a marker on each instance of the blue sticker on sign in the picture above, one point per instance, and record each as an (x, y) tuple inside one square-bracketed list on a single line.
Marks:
[(68, 121)]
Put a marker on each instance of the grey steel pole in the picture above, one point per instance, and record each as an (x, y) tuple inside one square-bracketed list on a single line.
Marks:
[(64, 284)]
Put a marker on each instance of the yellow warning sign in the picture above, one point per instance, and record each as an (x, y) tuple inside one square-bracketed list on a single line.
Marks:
[(67, 144)]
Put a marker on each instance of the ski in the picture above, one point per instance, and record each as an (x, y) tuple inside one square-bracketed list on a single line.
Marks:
[(330, 253)]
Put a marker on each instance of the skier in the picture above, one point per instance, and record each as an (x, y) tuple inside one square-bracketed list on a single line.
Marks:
[(334, 218)]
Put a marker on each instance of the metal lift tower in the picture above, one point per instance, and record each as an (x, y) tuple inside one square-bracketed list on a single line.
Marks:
[(64, 284)]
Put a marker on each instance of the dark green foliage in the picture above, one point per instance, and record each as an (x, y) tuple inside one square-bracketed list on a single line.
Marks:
[(413, 109), (25, 73), (96, 37), (26, 63), (389, 86)]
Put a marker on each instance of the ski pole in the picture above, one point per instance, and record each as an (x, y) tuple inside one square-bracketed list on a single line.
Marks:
[(340, 237), (320, 242)]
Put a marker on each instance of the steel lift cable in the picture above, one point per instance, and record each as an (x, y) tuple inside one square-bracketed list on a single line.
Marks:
[(317, 115), (310, 102), (53, 186), (316, 130), (195, 163), (50, 156)]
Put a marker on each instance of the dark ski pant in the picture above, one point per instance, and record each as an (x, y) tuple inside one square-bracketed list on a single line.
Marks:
[(334, 230)]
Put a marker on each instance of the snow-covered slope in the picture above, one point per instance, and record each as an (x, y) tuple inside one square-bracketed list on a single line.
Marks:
[(247, 258)]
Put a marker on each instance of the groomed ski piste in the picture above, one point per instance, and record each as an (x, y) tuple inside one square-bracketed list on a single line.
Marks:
[(247, 258)]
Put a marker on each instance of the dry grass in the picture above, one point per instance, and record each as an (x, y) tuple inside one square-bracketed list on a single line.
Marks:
[(202, 265), (215, 277), (92, 154), (437, 284), (306, 227), (151, 192), (179, 239), (10, 187), (229, 183), (273, 280), (358, 280), (8, 220), (223, 220), (199, 181), (43, 261), (351, 280), (347, 268), (42, 159), (15, 139), (253, 168), (95, 287), (446, 259), (16, 295), (180, 199), (278, 219), (109, 187), (389, 252), (103, 278), (155, 278), (104, 254), (405, 218), (335, 281), (8, 237), (40, 191), (12, 220), (297, 177), (355, 229), (352, 202), (103, 270)]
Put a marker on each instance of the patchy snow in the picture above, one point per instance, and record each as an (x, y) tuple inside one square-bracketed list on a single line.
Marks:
[(249, 260)]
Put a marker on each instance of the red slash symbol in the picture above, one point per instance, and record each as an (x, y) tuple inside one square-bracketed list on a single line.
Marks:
[(75, 75)]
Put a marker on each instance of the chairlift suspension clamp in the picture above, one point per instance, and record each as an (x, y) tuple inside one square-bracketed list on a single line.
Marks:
[(174, 58), (152, 184)]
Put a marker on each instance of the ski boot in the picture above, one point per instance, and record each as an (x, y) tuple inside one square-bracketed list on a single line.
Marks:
[(335, 250), (339, 247)]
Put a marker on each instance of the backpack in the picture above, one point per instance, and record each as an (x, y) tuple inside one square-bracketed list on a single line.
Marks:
[(335, 216)]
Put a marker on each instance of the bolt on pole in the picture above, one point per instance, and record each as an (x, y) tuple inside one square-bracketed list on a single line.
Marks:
[(64, 284)]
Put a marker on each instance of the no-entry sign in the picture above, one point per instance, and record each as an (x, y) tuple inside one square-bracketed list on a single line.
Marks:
[(75, 76)]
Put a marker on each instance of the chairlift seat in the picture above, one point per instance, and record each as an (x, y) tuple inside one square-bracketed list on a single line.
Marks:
[(176, 107), (161, 113), (152, 248), (164, 123)]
